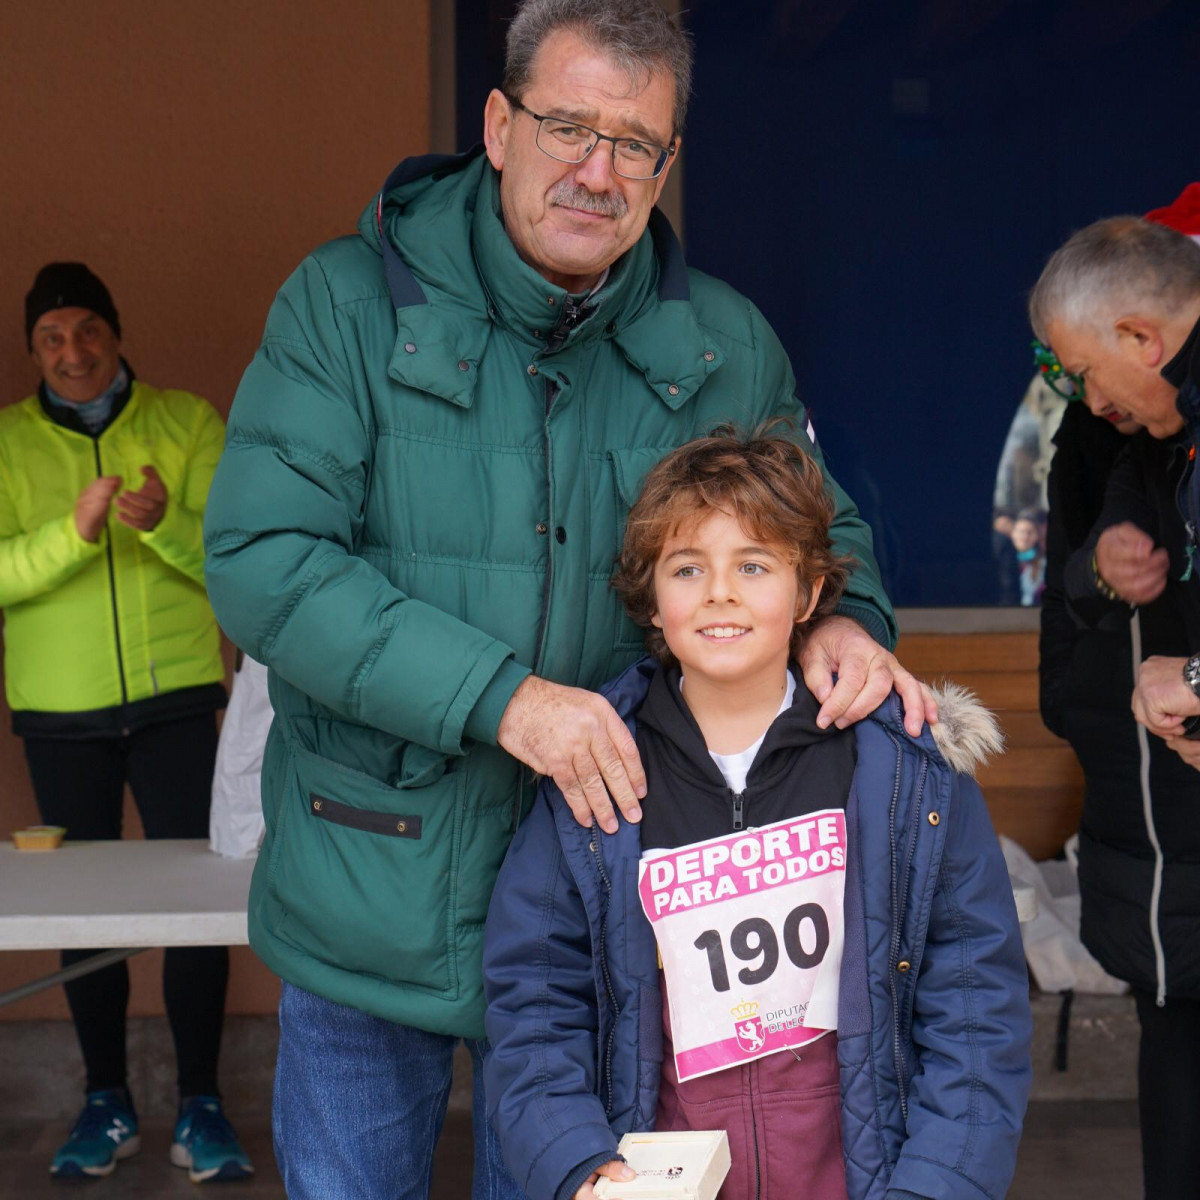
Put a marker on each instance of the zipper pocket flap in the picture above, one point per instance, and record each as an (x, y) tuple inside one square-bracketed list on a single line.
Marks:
[(388, 824)]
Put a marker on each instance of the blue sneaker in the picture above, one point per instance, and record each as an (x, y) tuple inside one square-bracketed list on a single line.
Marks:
[(206, 1144), (106, 1130)]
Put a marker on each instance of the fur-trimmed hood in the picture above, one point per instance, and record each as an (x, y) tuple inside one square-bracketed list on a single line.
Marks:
[(967, 734)]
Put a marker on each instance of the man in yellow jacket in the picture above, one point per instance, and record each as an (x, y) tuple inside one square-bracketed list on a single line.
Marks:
[(113, 670)]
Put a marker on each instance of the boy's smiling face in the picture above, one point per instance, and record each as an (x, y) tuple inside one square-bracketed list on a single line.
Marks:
[(727, 602)]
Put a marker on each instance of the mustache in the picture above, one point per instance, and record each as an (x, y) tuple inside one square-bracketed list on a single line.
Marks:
[(574, 195)]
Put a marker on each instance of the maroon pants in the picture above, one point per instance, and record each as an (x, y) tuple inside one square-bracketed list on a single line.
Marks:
[(783, 1115)]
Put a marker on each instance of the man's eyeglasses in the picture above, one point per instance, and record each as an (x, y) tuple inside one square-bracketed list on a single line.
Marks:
[(1061, 383), (570, 142)]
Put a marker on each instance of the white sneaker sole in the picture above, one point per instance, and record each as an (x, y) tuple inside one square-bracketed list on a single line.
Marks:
[(181, 1157), (128, 1148)]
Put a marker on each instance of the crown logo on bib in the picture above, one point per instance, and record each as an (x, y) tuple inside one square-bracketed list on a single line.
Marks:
[(744, 1011)]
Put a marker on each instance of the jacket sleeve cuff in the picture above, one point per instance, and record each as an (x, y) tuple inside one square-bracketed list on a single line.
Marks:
[(484, 719), (174, 528), (1087, 603), (579, 1176), (178, 540), (869, 618), (81, 548)]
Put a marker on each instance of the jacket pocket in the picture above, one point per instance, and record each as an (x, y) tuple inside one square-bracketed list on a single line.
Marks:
[(629, 471), (367, 873), (385, 824)]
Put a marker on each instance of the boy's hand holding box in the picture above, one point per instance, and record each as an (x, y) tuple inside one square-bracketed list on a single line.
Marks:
[(670, 1166)]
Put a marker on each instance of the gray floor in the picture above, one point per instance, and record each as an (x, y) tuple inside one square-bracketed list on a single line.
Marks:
[(1081, 1137), (1072, 1150)]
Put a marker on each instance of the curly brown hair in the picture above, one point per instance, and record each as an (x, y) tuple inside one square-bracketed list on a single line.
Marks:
[(774, 489)]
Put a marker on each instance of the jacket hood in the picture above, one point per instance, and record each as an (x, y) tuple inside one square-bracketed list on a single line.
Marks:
[(965, 737), (436, 222), (967, 734), (420, 222)]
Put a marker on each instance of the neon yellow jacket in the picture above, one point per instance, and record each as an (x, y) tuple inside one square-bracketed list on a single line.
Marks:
[(107, 630)]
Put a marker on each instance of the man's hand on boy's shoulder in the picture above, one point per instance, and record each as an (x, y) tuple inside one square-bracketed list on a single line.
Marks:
[(576, 738), (866, 673)]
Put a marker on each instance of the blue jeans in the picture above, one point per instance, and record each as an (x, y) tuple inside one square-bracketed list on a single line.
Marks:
[(359, 1104)]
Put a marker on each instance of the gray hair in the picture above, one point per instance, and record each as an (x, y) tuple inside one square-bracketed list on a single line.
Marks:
[(1121, 264), (636, 34)]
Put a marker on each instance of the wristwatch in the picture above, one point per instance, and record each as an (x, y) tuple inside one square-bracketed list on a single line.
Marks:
[(1191, 673)]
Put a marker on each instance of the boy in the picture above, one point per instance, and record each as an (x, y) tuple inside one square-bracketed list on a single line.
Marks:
[(842, 987)]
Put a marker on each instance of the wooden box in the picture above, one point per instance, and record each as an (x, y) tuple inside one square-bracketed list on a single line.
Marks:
[(671, 1166)]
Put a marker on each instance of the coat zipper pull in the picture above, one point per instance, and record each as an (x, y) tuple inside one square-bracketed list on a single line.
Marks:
[(568, 318), (739, 809)]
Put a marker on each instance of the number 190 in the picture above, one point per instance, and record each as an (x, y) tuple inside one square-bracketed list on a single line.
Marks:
[(755, 937)]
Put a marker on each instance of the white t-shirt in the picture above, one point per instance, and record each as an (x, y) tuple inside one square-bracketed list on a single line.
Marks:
[(735, 767)]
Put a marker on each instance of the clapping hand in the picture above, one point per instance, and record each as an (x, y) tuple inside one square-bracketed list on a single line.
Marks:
[(144, 508)]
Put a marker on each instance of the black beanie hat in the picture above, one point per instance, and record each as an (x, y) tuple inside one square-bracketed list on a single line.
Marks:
[(68, 285)]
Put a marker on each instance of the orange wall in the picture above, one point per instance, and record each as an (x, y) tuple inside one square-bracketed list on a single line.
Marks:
[(190, 153)]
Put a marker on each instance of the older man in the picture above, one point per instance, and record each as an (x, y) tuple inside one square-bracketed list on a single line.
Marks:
[(113, 669), (1119, 303), (428, 469)]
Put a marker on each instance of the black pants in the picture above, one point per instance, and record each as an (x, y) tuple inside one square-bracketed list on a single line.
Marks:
[(81, 784), (1169, 1097)]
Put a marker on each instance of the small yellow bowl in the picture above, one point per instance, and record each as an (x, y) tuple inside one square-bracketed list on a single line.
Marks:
[(39, 837)]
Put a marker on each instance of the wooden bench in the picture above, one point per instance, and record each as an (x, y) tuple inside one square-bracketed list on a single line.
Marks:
[(1035, 790)]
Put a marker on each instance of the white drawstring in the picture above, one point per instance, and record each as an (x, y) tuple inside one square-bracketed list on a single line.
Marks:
[(1160, 960)]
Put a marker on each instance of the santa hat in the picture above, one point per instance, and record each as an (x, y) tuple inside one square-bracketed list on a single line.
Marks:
[(1182, 214)]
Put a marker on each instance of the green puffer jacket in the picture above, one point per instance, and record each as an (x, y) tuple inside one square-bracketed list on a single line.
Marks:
[(104, 636), (418, 504)]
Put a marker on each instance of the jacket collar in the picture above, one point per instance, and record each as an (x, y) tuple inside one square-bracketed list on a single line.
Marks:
[(69, 419), (442, 332), (530, 307), (665, 711), (1183, 372), (1186, 362)]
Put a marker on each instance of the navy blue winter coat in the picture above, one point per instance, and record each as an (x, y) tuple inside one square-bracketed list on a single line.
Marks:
[(934, 1023)]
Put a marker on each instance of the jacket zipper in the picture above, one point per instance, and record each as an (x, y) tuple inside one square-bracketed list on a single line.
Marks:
[(754, 1132), (894, 948), (602, 955), (543, 619), (1160, 958), (1183, 506), (112, 592), (738, 803), (568, 318), (913, 835)]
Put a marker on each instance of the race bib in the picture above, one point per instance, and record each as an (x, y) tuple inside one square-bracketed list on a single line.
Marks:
[(750, 930)]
